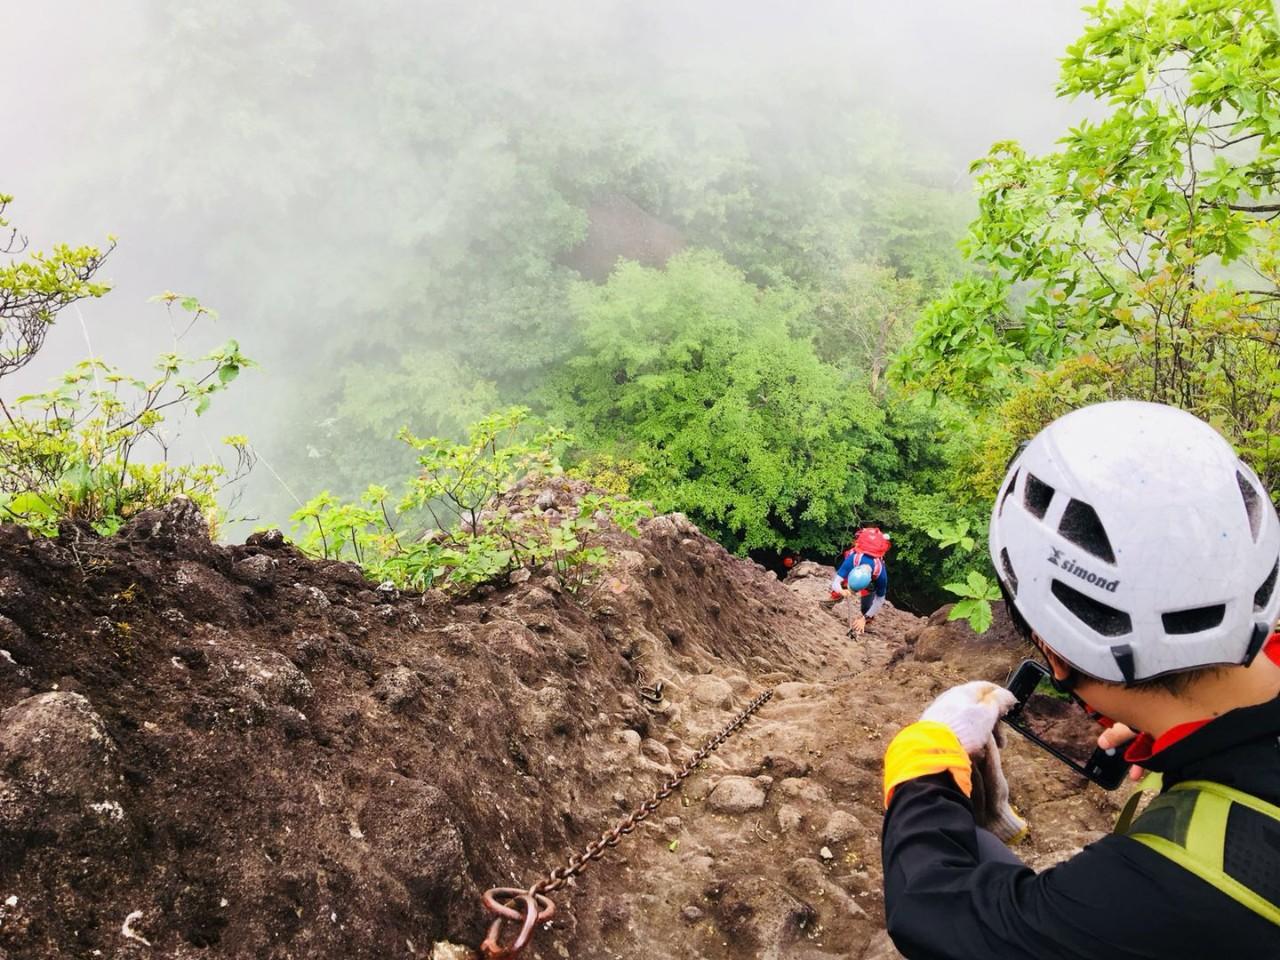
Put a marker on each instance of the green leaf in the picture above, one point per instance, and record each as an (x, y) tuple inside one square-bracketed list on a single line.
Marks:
[(981, 617)]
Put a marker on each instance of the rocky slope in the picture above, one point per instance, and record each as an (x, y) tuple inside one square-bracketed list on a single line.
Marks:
[(212, 751)]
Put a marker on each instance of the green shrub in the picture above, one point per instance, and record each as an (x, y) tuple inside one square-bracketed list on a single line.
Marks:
[(473, 536), (92, 449)]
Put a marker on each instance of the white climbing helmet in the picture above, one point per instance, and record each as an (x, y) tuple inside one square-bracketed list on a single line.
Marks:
[(1136, 543)]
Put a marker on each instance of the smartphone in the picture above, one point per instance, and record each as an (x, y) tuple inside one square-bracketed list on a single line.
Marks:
[(1056, 721)]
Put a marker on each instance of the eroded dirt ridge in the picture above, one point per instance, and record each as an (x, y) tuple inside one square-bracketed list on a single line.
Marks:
[(215, 751)]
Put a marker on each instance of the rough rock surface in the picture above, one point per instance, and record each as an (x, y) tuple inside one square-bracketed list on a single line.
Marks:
[(991, 656), (228, 756), (736, 795)]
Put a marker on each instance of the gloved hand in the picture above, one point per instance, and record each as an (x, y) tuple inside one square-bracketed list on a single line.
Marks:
[(971, 711), (836, 594), (958, 726), (991, 807)]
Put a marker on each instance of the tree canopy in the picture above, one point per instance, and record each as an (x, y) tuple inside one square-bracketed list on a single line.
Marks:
[(1140, 259)]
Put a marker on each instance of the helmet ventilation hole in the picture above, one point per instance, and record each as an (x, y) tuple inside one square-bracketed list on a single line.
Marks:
[(1252, 503), (1010, 576), (1037, 495), (1099, 617), (1263, 595), (1008, 492), (1080, 525), (1193, 621)]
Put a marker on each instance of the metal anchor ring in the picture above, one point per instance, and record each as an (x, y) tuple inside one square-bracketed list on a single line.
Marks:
[(538, 908)]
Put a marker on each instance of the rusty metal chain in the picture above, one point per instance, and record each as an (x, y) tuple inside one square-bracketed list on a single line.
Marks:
[(533, 907)]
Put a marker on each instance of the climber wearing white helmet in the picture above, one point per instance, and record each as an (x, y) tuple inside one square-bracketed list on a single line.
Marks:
[(1140, 555)]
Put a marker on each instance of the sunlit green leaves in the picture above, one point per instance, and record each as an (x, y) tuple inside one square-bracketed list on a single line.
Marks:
[(954, 534), (1145, 240), (36, 287), (976, 593)]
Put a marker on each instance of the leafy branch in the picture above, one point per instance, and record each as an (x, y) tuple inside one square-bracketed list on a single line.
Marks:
[(976, 594), (93, 448)]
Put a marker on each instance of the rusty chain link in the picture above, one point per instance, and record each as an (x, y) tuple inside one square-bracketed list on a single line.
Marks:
[(533, 907)]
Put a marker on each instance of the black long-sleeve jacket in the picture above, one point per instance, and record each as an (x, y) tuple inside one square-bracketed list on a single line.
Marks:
[(1115, 900)]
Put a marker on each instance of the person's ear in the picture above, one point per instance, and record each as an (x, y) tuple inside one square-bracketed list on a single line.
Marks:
[(1061, 669)]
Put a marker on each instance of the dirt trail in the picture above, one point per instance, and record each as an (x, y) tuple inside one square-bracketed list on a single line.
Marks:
[(238, 752), (797, 872)]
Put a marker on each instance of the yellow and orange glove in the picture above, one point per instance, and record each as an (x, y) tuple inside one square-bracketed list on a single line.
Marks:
[(923, 748), (957, 725)]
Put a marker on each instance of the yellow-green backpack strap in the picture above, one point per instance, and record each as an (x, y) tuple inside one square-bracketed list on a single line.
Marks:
[(1188, 825), (1218, 879), (1148, 784), (1235, 796)]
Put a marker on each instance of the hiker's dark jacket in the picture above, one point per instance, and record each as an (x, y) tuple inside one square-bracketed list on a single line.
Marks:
[(1115, 900)]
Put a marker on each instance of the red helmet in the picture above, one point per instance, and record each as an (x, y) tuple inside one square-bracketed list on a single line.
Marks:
[(871, 542), (788, 562)]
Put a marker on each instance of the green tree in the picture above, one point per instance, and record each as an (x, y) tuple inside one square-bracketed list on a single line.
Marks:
[(1142, 254), (863, 318), (692, 372)]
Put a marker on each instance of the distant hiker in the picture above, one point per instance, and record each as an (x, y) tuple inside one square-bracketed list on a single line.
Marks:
[(862, 571), (1184, 653)]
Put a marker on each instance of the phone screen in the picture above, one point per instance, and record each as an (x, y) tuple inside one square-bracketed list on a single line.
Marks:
[(1057, 722)]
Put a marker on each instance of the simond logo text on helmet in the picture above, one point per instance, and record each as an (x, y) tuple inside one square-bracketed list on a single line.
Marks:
[(1070, 566)]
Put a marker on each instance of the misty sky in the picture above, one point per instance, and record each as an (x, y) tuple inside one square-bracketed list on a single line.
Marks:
[(85, 148)]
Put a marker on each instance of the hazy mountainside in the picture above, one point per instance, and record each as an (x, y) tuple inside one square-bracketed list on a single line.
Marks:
[(212, 751), (700, 263)]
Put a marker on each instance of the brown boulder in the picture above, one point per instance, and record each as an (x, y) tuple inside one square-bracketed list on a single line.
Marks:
[(988, 656)]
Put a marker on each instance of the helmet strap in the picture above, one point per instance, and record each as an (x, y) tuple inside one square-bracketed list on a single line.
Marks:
[(1122, 653), (1019, 621), (1067, 684), (1261, 631)]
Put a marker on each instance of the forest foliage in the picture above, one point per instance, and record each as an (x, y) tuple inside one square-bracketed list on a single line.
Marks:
[(1140, 258), (801, 347)]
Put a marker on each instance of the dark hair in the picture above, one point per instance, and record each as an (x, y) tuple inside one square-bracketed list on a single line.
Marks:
[(1174, 684)]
